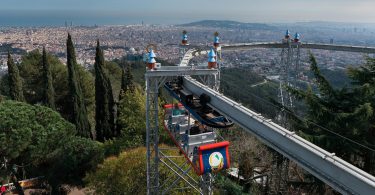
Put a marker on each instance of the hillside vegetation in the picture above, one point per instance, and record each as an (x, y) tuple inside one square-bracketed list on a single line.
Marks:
[(78, 127)]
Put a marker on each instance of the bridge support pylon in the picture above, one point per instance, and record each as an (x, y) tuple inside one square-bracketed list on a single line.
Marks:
[(289, 69)]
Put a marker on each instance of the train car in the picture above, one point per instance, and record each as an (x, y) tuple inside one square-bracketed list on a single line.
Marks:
[(198, 106), (214, 157), (197, 142)]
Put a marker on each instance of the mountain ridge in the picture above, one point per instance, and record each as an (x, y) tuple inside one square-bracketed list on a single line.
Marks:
[(230, 24)]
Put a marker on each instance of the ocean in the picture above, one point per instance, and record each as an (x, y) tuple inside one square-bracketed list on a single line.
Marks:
[(58, 18)]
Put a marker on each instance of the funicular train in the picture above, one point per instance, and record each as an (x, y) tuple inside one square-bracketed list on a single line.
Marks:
[(191, 124)]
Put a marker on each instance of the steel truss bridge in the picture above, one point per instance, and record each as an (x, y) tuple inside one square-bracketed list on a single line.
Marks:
[(249, 46), (326, 166)]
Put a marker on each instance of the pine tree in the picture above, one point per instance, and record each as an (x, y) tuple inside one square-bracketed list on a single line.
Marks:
[(80, 118), (364, 80), (15, 81), (334, 112), (49, 92), (104, 115)]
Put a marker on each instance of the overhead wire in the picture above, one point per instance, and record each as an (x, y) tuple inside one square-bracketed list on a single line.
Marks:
[(313, 123)]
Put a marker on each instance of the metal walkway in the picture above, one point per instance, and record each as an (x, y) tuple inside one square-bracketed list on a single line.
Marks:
[(186, 58), (337, 173)]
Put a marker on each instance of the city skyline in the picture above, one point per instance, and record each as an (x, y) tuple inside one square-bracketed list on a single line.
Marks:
[(90, 12)]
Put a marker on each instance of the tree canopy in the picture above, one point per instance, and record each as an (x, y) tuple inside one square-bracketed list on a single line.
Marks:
[(131, 114), (31, 72), (40, 137), (125, 174), (333, 114), (364, 80)]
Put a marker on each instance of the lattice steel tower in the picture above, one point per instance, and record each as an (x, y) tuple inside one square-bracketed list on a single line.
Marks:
[(289, 69), (183, 177)]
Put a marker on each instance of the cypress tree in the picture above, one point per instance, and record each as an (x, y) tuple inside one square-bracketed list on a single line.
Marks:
[(79, 118), (15, 82), (127, 79), (49, 92), (104, 101), (127, 86)]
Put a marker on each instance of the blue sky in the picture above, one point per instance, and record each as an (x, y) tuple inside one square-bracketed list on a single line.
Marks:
[(178, 11)]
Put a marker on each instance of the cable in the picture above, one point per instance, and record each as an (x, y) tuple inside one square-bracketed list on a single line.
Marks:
[(324, 128), (317, 125)]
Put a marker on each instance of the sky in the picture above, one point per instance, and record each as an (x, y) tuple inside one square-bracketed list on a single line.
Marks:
[(178, 11)]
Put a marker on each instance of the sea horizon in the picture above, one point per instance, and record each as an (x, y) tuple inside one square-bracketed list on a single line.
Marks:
[(59, 18)]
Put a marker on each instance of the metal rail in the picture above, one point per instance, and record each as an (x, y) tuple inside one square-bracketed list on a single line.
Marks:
[(329, 168), (347, 48), (174, 71), (248, 46)]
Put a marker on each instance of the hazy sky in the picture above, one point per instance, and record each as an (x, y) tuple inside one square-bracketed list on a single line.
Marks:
[(178, 11)]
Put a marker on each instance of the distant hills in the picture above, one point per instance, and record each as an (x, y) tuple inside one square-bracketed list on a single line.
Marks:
[(276, 26), (231, 25)]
